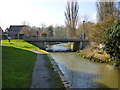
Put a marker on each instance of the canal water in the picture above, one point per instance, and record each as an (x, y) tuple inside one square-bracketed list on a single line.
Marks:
[(82, 73)]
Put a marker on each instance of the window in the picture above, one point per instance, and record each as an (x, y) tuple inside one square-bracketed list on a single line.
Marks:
[(11, 31)]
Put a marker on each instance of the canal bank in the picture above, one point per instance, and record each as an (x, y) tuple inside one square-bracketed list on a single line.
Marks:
[(46, 74), (58, 70), (97, 54), (82, 73)]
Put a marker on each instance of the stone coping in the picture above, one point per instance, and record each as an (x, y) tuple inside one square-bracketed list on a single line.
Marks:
[(56, 68)]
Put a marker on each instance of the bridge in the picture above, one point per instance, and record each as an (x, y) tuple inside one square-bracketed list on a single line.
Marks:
[(41, 41)]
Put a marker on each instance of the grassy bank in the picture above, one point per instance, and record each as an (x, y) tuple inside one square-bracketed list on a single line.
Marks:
[(55, 79), (22, 45), (17, 66), (18, 61), (95, 54)]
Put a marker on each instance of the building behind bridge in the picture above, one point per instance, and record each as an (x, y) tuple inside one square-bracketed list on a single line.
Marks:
[(1, 31), (14, 30)]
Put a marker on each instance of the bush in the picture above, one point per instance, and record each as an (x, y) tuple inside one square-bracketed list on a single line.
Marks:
[(112, 42), (4, 36), (100, 52), (43, 34)]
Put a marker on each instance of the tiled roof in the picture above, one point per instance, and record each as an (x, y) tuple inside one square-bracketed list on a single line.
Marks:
[(16, 27)]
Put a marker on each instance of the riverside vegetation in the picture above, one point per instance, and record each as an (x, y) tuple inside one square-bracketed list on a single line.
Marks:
[(110, 53), (18, 60), (94, 54)]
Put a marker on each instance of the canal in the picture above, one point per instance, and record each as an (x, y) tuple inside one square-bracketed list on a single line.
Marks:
[(82, 73)]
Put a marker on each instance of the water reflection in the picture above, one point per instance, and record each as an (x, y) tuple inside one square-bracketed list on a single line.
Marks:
[(79, 79), (82, 73), (58, 47)]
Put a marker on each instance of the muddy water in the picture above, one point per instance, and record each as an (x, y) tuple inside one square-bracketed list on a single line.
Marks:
[(82, 73)]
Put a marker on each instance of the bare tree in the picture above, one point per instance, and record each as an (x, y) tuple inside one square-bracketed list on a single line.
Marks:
[(71, 16), (59, 31), (104, 8), (28, 31), (83, 25), (43, 27), (25, 23)]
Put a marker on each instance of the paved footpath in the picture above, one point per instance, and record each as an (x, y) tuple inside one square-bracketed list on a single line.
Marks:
[(40, 73)]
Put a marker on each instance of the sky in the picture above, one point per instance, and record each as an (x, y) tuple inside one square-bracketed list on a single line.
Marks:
[(37, 12)]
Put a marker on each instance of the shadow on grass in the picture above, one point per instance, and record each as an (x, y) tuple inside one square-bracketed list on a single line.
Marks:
[(11, 43)]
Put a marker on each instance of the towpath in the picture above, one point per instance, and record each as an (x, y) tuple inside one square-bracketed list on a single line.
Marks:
[(40, 73)]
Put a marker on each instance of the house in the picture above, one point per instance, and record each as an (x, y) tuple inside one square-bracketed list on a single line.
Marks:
[(1, 31), (14, 30)]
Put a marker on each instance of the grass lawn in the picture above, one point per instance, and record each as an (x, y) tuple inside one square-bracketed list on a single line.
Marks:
[(17, 66), (17, 63)]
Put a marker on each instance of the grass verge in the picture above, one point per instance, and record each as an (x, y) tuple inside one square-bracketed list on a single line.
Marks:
[(55, 79), (17, 66), (17, 43)]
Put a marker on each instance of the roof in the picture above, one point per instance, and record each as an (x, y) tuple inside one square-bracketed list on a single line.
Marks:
[(0, 28), (1, 31), (16, 27)]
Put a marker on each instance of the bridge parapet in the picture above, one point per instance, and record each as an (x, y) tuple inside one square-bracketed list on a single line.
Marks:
[(41, 42), (55, 39)]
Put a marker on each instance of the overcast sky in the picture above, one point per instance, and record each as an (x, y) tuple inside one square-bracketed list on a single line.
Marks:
[(49, 12)]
